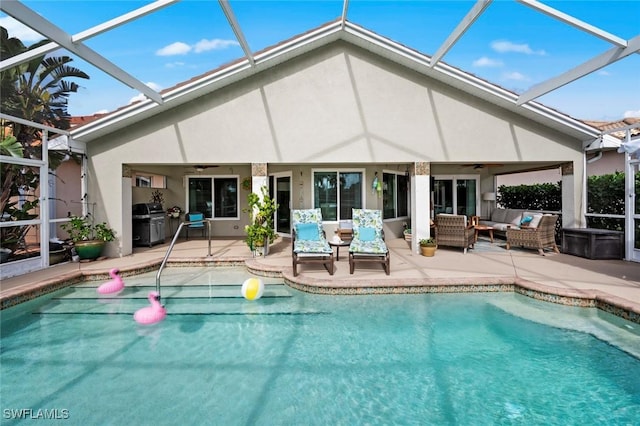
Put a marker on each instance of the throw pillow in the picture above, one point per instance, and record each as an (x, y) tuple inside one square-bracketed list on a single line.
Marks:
[(536, 218), (526, 220), (308, 231), (367, 234), (516, 220)]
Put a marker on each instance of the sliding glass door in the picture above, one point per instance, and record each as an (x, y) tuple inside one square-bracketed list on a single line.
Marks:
[(280, 188), (456, 195)]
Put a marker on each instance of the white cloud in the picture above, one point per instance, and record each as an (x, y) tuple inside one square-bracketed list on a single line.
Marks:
[(633, 114), (177, 48), (204, 45), (505, 46), (176, 64), (215, 44), (604, 73), (138, 97), (154, 86), (15, 29), (514, 75), (142, 97), (487, 62)]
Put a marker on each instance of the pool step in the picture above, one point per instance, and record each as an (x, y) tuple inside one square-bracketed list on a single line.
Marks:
[(178, 307), (178, 300), (224, 291)]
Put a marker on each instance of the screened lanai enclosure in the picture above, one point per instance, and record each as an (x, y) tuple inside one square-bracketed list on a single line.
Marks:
[(318, 102)]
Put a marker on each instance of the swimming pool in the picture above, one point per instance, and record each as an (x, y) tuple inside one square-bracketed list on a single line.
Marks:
[(296, 358)]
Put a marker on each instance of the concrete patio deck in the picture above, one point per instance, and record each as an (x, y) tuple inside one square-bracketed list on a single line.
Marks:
[(613, 282)]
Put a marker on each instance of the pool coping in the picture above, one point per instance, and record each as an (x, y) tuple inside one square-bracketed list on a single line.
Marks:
[(571, 297)]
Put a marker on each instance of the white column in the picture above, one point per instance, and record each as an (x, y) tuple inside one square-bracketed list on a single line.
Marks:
[(573, 195), (420, 204), (259, 178)]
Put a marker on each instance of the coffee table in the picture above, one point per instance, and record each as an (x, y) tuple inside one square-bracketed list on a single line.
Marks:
[(338, 245), (484, 228)]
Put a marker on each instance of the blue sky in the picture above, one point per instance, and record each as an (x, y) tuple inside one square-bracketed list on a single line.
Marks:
[(510, 45)]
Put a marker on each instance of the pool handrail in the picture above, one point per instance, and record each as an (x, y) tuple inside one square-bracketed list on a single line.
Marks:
[(173, 242)]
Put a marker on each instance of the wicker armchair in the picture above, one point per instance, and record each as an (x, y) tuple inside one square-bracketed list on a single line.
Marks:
[(541, 237), (452, 230)]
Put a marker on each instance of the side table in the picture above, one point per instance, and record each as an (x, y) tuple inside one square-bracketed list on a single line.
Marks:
[(337, 246)]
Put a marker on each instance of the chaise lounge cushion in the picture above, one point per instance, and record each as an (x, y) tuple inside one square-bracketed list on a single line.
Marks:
[(311, 247)]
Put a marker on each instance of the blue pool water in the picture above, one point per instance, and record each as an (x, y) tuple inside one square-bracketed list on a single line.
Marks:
[(299, 359)]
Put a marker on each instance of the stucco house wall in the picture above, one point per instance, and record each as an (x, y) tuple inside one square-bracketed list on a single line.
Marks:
[(337, 106)]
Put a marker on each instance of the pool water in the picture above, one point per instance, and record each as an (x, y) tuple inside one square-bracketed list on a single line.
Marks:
[(292, 358)]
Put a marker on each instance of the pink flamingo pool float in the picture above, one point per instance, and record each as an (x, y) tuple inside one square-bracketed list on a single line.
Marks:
[(114, 286), (151, 314)]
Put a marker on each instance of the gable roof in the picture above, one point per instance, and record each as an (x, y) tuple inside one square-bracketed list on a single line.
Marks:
[(306, 42)]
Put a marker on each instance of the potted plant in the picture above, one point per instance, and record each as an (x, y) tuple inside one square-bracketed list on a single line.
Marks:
[(88, 239), (157, 197), (174, 211), (406, 233), (260, 231), (428, 246)]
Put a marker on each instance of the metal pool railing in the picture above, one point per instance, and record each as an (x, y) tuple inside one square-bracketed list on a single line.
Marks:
[(173, 242)]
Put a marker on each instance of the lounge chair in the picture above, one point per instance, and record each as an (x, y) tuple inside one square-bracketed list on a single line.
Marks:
[(368, 243), (453, 230), (541, 237), (308, 240)]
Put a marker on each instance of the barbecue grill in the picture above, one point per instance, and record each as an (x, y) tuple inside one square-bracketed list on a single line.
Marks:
[(148, 224)]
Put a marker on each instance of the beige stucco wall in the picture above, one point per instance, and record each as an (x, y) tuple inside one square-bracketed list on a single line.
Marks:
[(611, 161), (337, 106)]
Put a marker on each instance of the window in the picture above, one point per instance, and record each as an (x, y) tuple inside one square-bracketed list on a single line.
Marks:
[(216, 197), (336, 193), (143, 181), (225, 197), (395, 198), (147, 180)]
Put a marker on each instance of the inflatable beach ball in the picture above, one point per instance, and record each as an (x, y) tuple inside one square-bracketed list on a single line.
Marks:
[(252, 289)]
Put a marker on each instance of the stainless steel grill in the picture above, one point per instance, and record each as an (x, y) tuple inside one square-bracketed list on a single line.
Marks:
[(148, 224)]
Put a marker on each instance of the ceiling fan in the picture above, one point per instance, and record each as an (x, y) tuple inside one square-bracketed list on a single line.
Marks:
[(477, 166)]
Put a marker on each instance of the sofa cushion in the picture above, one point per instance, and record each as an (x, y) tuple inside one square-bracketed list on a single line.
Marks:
[(504, 226), (513, 217), (498, 215)]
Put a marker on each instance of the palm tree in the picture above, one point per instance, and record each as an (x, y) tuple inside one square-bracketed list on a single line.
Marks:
[(38, 91)]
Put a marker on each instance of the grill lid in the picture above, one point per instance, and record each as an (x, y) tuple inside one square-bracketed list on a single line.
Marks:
[(147, 209)]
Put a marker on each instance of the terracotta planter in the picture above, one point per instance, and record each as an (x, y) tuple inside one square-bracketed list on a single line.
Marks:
[(428, 251)]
